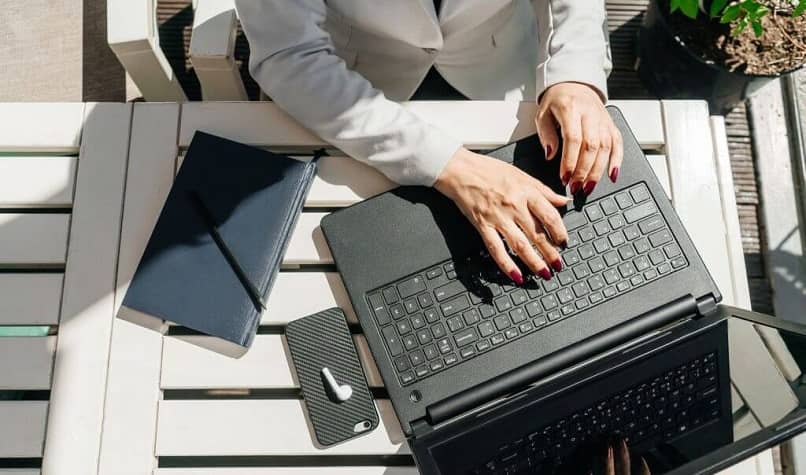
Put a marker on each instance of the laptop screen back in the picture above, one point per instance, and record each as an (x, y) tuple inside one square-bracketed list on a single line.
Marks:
[(676, 409)]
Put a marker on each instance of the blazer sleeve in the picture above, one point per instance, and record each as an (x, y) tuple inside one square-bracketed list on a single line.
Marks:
[(293, 61), (573, 43)]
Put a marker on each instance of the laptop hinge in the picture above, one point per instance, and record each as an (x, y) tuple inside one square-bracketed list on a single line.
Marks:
[(420, 427), (706, 305)]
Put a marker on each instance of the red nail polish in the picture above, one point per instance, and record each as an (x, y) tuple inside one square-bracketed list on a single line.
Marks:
[(589, 186), (557, 265), (517, 277), (574, 187), (566, 177), (614, 175), (545, 274)]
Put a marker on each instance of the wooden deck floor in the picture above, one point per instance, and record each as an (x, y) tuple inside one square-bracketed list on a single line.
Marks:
[(624, 19)]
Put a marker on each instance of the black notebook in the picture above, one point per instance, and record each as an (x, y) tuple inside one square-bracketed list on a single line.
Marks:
[(219, 241)]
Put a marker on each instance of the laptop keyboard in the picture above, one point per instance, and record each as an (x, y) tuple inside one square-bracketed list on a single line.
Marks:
[(655, 410), (457, 310)]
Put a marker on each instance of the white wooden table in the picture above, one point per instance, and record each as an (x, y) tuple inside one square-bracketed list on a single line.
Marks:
[(81, 186)]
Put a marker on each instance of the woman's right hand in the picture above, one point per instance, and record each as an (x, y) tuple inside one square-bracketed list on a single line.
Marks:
[(502, 201)]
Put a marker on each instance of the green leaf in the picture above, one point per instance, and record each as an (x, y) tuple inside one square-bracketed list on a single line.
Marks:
[(690, 8), (731, 14), (718, 5), (757, 28), (674, 5), (798, 11), (740, 26)]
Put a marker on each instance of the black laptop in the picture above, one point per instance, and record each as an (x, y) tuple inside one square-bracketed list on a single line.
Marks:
[(486, 376)]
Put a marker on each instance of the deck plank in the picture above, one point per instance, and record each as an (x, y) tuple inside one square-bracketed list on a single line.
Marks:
[(26, 362), (35, 182), (30, 299)]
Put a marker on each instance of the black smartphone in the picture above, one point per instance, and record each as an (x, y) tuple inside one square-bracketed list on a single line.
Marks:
[(332, 380)]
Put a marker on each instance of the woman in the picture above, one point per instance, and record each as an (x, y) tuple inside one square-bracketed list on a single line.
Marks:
[(340, 66)]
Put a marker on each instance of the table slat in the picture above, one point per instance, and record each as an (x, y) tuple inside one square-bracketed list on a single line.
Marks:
[(322, 290), (289, 471), (22, 433), (136, 352), (37, 181), (30, 299), (186, 365), (307, 244), (260, 427), (32, 239), (478, 124), (82, 358), (26, 363), (661, 169), (41, 127), (342, 181)]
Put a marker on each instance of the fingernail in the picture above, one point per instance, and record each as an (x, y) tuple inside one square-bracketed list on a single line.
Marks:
[(614, 174), (516, 276), (566, 177), (544, 274), (589, 186), (557, 265), (574, 187)]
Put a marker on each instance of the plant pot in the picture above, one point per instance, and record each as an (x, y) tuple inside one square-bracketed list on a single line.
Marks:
[(670, 70)]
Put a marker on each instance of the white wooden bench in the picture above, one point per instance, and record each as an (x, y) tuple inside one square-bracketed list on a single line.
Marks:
[(125, 399)]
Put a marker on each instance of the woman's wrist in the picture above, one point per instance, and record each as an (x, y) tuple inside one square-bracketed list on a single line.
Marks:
[(448, 180)]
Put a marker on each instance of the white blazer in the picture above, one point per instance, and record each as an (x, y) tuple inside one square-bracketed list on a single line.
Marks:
[(338, 66)]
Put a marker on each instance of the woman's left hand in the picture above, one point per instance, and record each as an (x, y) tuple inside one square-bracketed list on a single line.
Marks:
[(591, 142)]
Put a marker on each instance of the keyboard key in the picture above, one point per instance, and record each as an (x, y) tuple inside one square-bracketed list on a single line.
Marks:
[(449, 290), (510, 333), (550, 285), (397, 311), (641, 263), (626, 252), (539, 322), (624, 201), (609, 206), (410, 342), (596, 282), (596, 297), (430, 351), (601, 228), (411, 287), (582, 303), (631, 232), (486, 310), (609, 292), (678, 262), (660, 237), (571, 258), (467, 352), (573, 240), (434, 273), (392, 340), (497, 339), (565, 296), (519, 297), (403, 326), (456, 305), (502, 322), (486, 329), (636, 279), (626, 269), (565, 277), (421, 371), (402, 364), (573, 220), (517, 315), (424, 336), (406, 377), (639, 193), (465, 337), (651, 224), (503, 303), (671, 250), (601, 245), (580, 289), (533, 308), (382, 316), (616, 239), (586, 234), (656, 257), (596, 264), (454, 324), (450, 359), (554, 315), (448, 267), (641, 245), (451, 275), (611, 258), (650, 274), (586, 251), (580, 272), (390, 295), (567, 309), (431, 315), (525, 327), (436, 365), (616, 222), (549, 302), (417, 321), (623, 286), (610, 276), (483, 345), (417, 357), (425, 300), (375, 301), (640, 212), (594, 212), (411, 305), (444, 346), (534, 291)]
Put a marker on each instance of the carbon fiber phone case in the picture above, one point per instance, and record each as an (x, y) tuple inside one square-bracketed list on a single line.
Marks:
[(323, 340)]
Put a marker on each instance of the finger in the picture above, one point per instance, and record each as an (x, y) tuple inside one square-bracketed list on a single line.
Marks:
[(555, 199), (549, 217), (522, 247), (534, 231), (644, 469), (589, 149), (616, 153), (547, 132), (494, 244), (571, 131), (622, 458), (601, 162), (610, 463)]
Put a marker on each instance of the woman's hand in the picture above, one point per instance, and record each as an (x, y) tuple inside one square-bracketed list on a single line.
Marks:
[(503, 201), (591, 142)]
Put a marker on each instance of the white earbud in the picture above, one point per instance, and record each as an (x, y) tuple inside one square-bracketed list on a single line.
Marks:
[(341, 392)]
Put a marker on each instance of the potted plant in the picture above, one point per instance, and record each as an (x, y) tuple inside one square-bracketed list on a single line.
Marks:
[(719, 50)]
